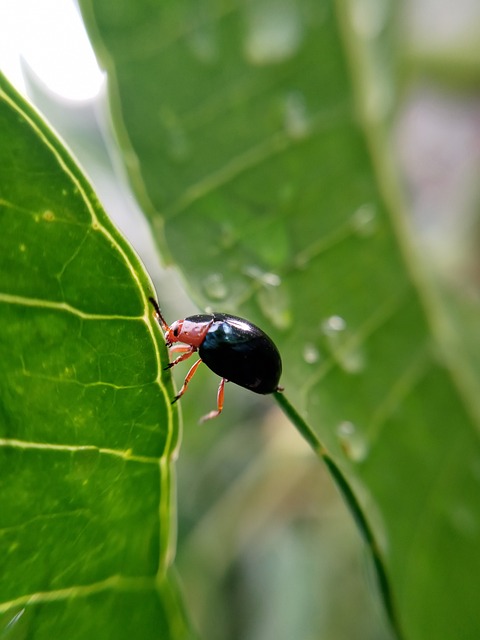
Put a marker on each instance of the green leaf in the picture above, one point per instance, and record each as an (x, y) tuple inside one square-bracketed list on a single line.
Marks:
[(239, 129), (87, 431)]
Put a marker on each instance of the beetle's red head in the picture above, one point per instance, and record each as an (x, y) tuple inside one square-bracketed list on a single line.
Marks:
[(173, 333), (186, 331)]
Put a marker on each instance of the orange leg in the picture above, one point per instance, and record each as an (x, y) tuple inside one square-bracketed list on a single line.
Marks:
[(180, 348), (220, 394), (188, 377), (186, 351)]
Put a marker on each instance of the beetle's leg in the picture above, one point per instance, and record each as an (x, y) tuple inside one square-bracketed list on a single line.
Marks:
[(188, 377), (186, 350), (220, 393), (180, 348)]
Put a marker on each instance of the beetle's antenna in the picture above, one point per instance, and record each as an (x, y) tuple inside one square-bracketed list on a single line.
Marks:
[(158, 315)]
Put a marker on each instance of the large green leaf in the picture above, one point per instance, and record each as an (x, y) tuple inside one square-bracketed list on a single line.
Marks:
[(238, 127), (87, 432)]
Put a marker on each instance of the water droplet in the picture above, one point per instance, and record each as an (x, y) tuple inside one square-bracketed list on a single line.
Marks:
[(343, 345), (311, 354), (273, 298), (365, 220), (263, 277), (275, 304), (227, 236), (272, 279), (274, 31), (352, 441), (297, 120), (203, 42), (178, 144), (333, 325), (215, 287)]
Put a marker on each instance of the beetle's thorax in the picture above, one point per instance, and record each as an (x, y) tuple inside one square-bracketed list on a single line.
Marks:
[(188, 332)]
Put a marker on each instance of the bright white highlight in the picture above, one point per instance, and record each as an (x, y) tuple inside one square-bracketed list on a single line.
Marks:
[(50, 37)]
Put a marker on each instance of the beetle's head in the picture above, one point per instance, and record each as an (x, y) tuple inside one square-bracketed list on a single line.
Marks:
[(187, 331), (174, 333)]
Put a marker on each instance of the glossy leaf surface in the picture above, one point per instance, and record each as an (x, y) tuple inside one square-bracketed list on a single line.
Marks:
[(86, 428)]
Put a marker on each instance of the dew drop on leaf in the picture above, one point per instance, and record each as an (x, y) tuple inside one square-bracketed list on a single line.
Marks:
[(311, 354), (297, 119), (333, 325), (274, 31), (274, 301), (352, 441), (178, 145), (272, 297), (343, 345), (365, 220), (264, 278), (215, 287), (203, 42), (227, 236)]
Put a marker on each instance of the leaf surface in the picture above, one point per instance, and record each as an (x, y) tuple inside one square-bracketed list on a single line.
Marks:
[(86, 428)]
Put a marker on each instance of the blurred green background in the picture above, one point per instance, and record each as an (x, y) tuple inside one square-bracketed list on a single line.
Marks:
[(266, 547)]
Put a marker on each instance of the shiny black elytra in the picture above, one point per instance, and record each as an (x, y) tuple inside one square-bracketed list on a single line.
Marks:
[(233, 348)]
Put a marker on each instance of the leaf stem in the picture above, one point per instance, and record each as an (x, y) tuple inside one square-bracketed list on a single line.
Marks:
[(353, 504)]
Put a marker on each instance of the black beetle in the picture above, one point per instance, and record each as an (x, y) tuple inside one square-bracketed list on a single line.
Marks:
[(233, 348)]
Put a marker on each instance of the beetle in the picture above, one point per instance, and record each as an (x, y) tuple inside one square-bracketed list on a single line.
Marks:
[(235, 349)]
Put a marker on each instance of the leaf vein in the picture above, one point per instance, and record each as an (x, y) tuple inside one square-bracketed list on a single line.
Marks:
[(115, 582), (277, 143), (124, 454), (61, 306), (399, 390)]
